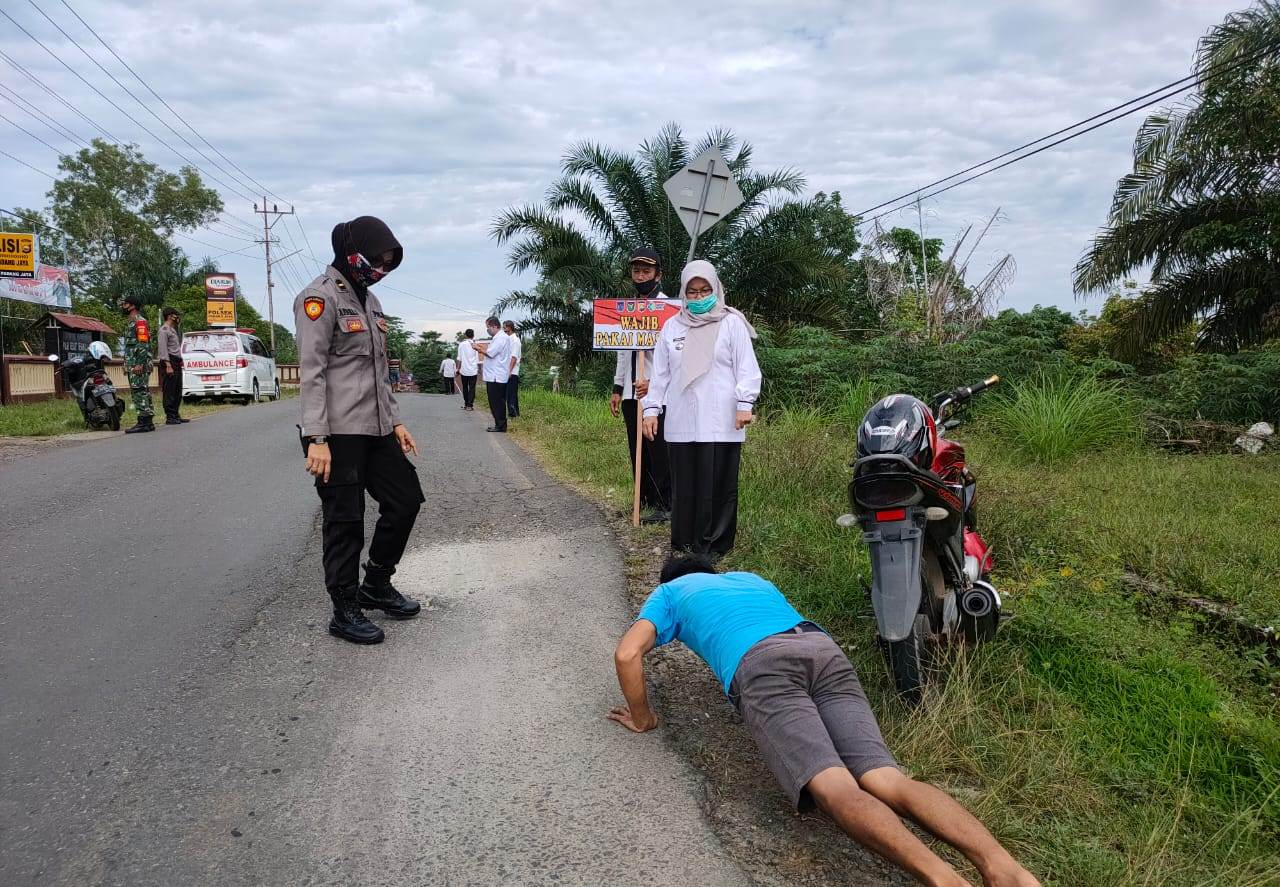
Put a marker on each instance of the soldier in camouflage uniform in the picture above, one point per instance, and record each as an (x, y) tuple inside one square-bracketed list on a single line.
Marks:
[(136, 344)]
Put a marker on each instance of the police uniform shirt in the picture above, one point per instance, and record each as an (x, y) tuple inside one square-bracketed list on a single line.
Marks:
[(342, 351), (705, 411), (170, 346), (497, 359), (468, 360)]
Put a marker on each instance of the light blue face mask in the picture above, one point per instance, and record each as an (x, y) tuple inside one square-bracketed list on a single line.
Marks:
[(701, 306)]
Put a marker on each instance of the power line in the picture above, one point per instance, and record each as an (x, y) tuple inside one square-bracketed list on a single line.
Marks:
[(1165, 92), (138, 77), (19, 126), (111, 102), (28, 165), (141, 103), (35, 113), (40, 83)]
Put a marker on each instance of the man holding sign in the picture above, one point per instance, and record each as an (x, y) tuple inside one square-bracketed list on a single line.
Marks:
[(629, 386)]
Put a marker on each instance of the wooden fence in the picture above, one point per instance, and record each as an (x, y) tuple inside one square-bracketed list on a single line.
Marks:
[(25, 378)]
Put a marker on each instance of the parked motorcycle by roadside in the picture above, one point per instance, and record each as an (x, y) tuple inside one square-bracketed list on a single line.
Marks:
[(914, 498), (86, 378)]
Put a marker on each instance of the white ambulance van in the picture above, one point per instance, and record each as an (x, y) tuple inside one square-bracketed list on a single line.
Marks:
[(228, 364)]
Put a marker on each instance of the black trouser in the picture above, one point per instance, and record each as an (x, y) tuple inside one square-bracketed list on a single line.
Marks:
[(513, 395), (171, 388), (655, 466), (497, 392), (446, 385), (377, 464), (704, 505), (468, 391)]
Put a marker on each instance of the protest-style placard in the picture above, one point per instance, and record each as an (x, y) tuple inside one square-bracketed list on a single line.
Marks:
[(629, 324)]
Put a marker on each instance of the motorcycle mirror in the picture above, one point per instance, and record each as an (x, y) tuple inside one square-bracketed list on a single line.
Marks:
[(52, 358), (845, 521)]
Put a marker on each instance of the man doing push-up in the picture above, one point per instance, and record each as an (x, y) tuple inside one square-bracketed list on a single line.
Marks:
[(801, 700)]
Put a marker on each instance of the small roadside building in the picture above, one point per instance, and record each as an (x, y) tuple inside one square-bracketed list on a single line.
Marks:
[(69, 335)]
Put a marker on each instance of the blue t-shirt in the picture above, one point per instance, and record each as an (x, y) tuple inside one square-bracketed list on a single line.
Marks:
[(719, 616)]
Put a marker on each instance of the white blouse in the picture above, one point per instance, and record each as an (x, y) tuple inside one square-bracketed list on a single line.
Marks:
[(706, 411)]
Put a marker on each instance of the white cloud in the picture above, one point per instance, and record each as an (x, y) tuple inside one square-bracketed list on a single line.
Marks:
[(436, 116)]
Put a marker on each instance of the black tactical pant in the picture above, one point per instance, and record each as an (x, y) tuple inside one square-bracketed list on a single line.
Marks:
[(655, 468), (378, 465), (171, 387), (704, 487), (468, 391)]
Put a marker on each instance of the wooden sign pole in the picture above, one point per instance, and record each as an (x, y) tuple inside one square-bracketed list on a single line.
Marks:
[(635, 501)]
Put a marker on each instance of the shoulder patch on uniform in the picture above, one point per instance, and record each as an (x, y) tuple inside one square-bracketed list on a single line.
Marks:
[(313, 306)]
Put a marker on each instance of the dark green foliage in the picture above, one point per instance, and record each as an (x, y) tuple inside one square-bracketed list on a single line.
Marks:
[(813, 366), (1240, 388), (1202, 205)]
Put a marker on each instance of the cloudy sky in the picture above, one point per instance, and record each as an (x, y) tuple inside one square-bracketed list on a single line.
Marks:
[(436, 116)]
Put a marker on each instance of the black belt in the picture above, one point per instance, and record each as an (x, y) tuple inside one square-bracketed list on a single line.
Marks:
[(802, 628)]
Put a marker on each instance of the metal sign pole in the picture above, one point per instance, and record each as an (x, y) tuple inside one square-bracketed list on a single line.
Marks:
[(702, 205)]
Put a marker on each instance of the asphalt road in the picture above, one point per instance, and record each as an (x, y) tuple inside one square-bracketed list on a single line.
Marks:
[(173, 712)]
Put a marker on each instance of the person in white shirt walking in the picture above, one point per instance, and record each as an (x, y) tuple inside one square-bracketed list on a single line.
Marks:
[(468, 369), (513, 384), (706, 376), (448, 367), (498, 362)]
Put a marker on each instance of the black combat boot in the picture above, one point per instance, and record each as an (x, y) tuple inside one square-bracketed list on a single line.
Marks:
[(377, 593), (145, 423), (349, 621)]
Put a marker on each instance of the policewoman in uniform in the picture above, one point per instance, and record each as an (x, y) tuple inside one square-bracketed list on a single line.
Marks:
[(351, 429)]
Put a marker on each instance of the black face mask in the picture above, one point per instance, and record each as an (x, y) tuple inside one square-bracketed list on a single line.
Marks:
[(646, 289), (126, 310)]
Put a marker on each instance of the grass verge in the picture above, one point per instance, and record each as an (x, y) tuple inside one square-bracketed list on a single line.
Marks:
[(53, 417), (1109, 738)]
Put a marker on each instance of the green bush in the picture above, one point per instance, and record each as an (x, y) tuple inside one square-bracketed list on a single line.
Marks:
[(1052, 417)]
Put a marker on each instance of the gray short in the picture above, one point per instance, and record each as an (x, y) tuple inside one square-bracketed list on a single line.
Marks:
[(801, 700)]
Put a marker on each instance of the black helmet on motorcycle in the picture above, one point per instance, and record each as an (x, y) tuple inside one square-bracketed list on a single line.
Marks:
[(899, 424)]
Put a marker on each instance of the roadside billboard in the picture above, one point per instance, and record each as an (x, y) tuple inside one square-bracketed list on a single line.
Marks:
[(630, 324), (19, 255), (220, 300), (51, 286)]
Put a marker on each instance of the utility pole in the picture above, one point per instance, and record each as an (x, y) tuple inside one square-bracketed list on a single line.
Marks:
[(269, 219)]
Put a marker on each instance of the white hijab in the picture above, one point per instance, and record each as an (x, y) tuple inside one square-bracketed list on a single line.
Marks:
[(704, 329)]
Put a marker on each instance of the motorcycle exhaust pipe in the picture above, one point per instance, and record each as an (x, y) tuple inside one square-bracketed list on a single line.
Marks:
[(980, 601)]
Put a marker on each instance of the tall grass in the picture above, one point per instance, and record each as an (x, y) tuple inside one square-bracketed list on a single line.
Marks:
[(1108, 740), (1053, 417)]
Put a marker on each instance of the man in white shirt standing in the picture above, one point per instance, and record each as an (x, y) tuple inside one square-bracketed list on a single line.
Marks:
[(655, 470), (447, 370), (513, 384), (468, 369), (498, 362)]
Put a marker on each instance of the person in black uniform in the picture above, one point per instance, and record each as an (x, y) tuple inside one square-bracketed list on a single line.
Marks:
[(352, 434)]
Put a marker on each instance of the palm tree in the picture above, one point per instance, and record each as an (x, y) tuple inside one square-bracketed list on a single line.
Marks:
[(606, 203), (1202, 205)]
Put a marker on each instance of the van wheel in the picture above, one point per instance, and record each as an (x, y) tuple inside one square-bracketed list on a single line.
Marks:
[(256, 397), (276, 396)]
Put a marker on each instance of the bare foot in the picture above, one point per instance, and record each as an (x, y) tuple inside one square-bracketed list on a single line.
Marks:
[(1010, 874)]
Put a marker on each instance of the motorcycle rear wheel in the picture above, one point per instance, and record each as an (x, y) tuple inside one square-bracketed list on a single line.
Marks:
[(911, 659)]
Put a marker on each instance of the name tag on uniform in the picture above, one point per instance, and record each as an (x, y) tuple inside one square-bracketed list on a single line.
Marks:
[(352, 325), (678, 342)]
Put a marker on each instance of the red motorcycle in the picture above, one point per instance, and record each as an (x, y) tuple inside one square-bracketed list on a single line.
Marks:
[(914, 498)]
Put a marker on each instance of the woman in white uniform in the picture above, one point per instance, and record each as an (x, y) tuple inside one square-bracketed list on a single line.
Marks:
[(706, 375)]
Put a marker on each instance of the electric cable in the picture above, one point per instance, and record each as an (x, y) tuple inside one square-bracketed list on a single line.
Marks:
[(1164, 92)]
